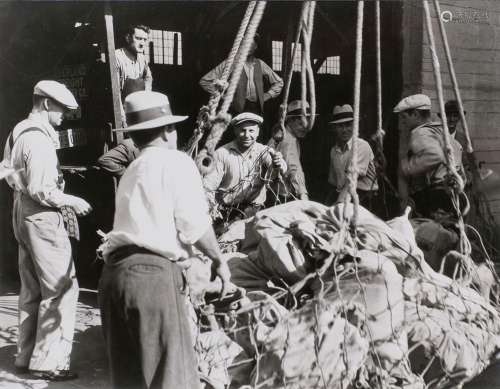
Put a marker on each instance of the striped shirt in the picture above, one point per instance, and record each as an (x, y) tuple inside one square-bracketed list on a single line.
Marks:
[(128, 67)]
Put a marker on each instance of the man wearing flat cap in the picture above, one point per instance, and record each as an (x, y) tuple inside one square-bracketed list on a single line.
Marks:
[(287, 142), (242, 168), (161, 214), (341, 156), (425, 165), (49, 289)]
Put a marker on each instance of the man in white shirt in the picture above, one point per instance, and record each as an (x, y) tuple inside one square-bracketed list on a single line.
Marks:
[(49, 289), (250, 94), (341, 156), (161, 212)]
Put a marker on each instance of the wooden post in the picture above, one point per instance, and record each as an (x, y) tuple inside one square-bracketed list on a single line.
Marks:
[(115, 87)]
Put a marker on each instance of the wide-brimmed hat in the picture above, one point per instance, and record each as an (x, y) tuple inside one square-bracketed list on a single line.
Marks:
[(246, 117), (56, 91), (294, 108), (145, 110), (342, 113), (418, 101), (452, 106)]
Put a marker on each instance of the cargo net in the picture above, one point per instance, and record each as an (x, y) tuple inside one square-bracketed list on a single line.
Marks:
[(320, 305)]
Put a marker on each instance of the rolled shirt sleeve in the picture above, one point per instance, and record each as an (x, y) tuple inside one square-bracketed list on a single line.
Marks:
[(116, 160), (426, 153), (207, 81), (190, 205)]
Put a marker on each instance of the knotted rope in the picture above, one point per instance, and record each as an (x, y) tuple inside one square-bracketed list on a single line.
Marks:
[(207, 112), (221, 121), (308, 87)]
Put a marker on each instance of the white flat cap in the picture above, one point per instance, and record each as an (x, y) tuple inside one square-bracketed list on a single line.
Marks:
[(57, 91), (419, 101), (246, 117)]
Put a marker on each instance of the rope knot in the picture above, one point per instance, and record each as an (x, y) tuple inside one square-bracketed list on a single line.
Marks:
[(220, 85)]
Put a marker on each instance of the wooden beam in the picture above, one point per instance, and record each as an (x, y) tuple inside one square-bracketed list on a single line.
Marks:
[(115, 87)]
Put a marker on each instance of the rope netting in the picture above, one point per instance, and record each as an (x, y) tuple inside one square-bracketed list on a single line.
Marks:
[(335, 297)]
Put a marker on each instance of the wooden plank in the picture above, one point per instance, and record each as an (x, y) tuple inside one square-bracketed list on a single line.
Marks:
[(110, 37)]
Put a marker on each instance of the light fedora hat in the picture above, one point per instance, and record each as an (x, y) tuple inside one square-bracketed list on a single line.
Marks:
[(342, 113), (146, 109)]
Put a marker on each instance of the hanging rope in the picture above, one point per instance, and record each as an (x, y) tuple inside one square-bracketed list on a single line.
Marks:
[(207, 112), (221, 121), (465, 246), (453, 76), (379, 68), (288, 79), (308, 87), (353, 171)]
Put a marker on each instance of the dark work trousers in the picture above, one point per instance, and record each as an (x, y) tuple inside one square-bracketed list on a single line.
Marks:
[(429, 200), (145, 323)]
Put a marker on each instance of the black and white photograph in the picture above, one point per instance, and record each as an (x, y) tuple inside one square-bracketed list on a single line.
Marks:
[(258, 194)]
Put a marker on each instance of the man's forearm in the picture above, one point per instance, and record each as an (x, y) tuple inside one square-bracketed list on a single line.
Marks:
[(208, 245)]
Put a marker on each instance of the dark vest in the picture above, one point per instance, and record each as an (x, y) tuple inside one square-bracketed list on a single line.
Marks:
[(240, 94)]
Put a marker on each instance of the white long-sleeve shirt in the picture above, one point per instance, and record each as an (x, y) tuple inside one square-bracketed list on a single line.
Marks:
[(34, 157), (160, 205)]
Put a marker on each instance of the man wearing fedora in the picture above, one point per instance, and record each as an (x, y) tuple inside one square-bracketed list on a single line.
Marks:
[(161, 213), (341, 155), (250, 95), (49, 289), (425, 164), (287, 143), (242, 168)]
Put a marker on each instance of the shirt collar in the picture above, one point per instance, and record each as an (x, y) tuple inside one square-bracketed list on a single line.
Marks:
[(46, 127), (348, 146)]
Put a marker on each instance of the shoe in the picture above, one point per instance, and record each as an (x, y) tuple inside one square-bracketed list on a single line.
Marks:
[(58, 375), (21, 369)]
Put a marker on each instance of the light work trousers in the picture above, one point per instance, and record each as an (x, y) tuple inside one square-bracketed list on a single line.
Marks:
[(49, 289)]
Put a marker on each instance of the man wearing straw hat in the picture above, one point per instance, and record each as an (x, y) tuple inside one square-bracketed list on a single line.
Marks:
[(341, 156), (425, 164), (161, 213), (49, 289), (287, 143)]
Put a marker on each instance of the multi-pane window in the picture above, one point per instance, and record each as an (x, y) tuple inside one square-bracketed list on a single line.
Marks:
[(277, 54), (297, 60), (331, 65), (167, 47)]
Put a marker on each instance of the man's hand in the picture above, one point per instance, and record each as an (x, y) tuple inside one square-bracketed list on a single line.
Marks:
[(278, 161), (80, 206), (304, 196), (221, 270)]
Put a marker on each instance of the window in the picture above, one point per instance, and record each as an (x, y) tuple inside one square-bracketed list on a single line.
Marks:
[(277, 54), (167, 47), (331, 65), (297, 61)]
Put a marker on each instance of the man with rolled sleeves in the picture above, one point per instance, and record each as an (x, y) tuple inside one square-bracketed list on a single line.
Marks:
[(340, 158), (49, 289), (161, 213), (425, 165), (242, 168)]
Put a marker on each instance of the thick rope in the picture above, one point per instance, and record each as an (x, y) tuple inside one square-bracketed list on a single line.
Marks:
[(308, 85), (379, 67), (288, 79), (221, 121), (465, 246), (232, 55), (451, 69), (353, 171)]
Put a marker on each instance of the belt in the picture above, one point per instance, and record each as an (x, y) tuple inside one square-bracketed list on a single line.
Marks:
[(126, 251)]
